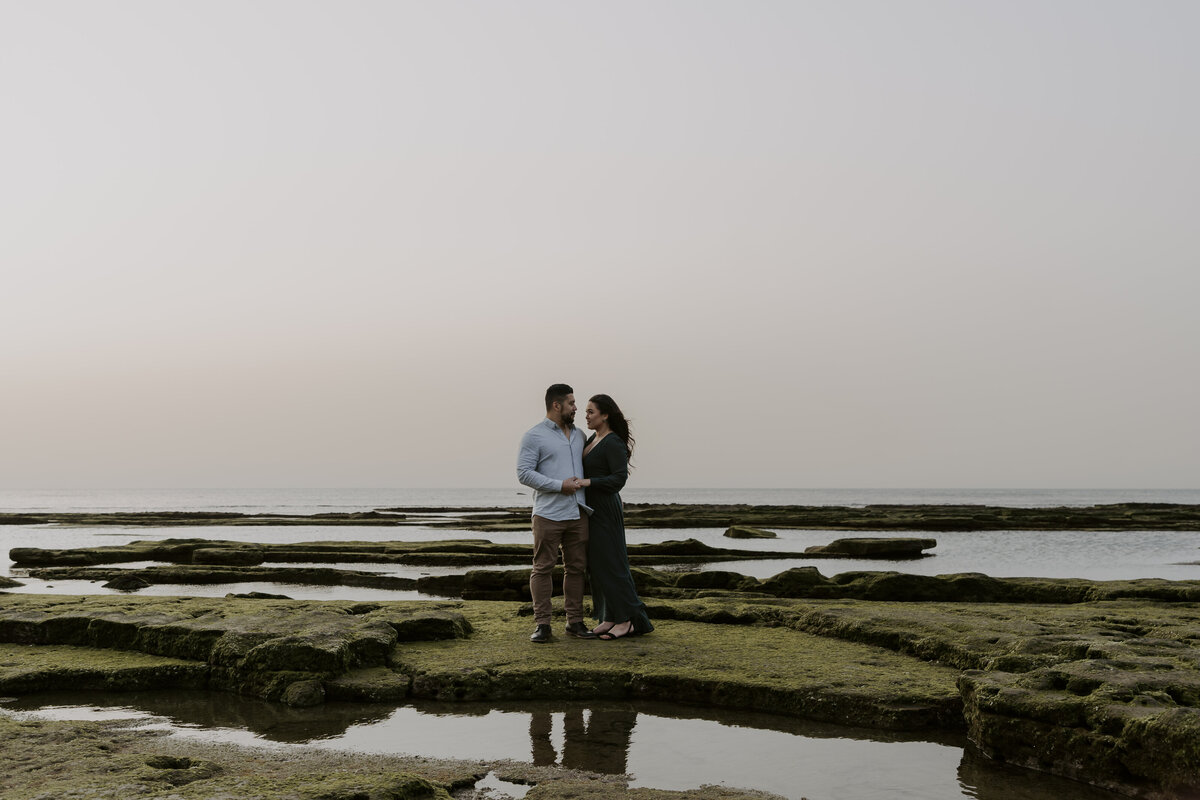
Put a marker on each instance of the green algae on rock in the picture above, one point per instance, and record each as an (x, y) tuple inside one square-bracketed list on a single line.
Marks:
[(1104, 691), (254, 647), (26, 668), (1116, 725), (748, 667)]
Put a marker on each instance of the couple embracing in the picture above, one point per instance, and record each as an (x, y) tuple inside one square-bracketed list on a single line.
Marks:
[(577, 507)]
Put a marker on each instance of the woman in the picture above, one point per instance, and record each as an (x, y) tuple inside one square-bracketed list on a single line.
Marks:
[(605, 468)]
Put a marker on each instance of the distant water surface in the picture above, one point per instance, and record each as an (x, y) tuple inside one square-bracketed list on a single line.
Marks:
[(316, 501)]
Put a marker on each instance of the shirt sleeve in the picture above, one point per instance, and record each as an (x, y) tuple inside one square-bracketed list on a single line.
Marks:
[(616, 462), (527, 460)]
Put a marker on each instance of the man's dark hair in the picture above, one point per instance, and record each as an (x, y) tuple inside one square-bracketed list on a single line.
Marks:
[(557, 394)]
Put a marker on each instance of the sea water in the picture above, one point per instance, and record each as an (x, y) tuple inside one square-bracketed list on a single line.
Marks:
[(315, 501)]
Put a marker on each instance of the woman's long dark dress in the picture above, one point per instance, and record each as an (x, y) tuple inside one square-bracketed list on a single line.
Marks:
[(614, 597)]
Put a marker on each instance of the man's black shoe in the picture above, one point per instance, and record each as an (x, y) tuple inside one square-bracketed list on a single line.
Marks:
[(579, 630), (541, 635)]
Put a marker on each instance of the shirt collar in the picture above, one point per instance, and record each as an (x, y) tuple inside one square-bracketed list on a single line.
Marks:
[(552, 425)]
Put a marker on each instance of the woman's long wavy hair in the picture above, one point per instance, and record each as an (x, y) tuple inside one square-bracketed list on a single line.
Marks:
[(616, 420)]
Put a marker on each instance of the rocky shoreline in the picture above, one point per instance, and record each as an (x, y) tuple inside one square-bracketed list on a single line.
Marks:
[(1097, 681), (1102, 691)]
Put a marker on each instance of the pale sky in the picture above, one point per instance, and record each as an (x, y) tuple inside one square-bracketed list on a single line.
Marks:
[(803, 244)]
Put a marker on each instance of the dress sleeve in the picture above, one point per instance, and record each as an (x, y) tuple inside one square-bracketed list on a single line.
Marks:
[(616, 465)]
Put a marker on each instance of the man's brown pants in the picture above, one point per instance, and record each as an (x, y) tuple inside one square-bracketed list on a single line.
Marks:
[(548, 536)]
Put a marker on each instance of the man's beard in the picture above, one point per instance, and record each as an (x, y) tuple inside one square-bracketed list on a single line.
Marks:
[(569, 417)]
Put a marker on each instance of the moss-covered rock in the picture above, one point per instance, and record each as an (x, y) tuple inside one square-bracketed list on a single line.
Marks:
[(370, 684), (228, 556), (1105, 691), (127, 583), (875, 547), (257, 647), (746, 532), (715, 579), (750, 667), (795, 582), (1114, 725), (303, 694), (25, 669)]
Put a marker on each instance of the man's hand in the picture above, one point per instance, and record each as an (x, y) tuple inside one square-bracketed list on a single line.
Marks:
[(571, 485)]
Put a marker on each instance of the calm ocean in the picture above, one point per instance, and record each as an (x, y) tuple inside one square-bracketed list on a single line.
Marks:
[(313, 501)]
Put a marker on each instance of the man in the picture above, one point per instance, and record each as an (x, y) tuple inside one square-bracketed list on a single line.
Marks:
[(551, 462)]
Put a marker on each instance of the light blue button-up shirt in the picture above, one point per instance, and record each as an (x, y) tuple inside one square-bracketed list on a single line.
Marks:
[(545, 460)]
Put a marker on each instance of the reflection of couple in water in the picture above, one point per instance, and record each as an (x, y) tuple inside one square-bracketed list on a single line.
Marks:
[(577, 508), (599, 744)]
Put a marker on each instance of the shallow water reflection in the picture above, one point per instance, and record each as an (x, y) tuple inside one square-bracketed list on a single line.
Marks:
[(658, 745)]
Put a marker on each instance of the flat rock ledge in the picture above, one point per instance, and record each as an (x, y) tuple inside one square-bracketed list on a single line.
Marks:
[(873, 547), (798, 582), (465, 552), (746, 532), (1103, 691), (254, 647)]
